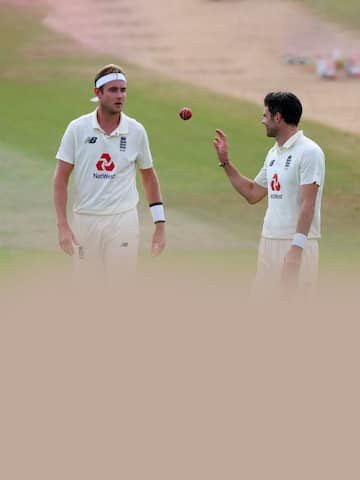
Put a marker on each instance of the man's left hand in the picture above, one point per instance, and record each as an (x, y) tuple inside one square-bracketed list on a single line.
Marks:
[(291, 266), (158, 239)]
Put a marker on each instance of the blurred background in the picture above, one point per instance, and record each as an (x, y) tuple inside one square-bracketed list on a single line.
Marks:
[(181, 375)]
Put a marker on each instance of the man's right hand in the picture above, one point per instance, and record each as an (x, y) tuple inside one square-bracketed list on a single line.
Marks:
[(67, 239), (221, 147)]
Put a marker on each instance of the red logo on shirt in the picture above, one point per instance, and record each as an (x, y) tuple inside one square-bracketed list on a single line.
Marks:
[(105, 163), (275, 184)]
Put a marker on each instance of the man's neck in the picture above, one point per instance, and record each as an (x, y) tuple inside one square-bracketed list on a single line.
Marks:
[(285, 134), (108, 121)]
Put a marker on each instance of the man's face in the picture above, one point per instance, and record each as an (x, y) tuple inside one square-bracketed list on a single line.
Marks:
[(271, 123), (113, 96)]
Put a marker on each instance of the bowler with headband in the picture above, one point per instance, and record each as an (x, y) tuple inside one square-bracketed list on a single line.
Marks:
[(110, 77), (104, 150)]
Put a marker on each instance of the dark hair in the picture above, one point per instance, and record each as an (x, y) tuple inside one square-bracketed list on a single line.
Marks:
[(287, 104)]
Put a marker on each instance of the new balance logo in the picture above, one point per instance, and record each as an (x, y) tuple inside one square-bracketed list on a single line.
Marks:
[(288, 161), (91, 140), (272, 162)]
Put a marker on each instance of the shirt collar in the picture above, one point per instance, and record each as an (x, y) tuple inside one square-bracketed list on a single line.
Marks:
[(290, 141), (121, 129)]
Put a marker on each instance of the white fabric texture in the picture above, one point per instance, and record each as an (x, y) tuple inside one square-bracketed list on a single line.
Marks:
[(109, 242), (105, 165), (300, 161), (271, 259)]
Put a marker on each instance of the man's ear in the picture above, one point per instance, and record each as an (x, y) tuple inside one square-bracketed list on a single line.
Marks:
[(278, 117), (97, 91)]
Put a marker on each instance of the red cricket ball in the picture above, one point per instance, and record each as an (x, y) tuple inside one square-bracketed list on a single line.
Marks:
[(185, 113)]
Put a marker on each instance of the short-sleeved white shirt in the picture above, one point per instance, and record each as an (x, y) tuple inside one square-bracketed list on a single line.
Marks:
[(105, 165), (300, 161)]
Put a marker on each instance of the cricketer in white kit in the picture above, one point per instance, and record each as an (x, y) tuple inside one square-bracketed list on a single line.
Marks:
[(292, 178), (103, 150)]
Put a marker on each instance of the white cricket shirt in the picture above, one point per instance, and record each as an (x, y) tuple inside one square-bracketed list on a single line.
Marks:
[(300, 161), (105, 165)]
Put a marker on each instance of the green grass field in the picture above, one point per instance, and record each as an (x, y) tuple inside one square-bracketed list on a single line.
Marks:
[(42, 89), (346, 12)]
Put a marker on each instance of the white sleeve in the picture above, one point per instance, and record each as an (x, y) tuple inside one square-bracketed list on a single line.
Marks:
[(261, 177), (144, 158), (312, 167), (66, 151)]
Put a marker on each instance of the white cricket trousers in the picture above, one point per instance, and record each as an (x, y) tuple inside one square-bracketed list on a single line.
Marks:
[(271, 258), (108, 243)]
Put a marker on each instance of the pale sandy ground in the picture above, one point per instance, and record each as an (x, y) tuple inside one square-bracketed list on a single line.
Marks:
[(234, 47), (122, 384)]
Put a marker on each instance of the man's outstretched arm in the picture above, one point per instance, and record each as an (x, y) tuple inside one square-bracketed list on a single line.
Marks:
[(247, 188)]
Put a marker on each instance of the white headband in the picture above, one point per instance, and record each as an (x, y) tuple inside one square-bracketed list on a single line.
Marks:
[(106, 79)]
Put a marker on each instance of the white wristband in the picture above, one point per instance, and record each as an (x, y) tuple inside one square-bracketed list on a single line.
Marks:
[(157, 212), (299, 240)]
